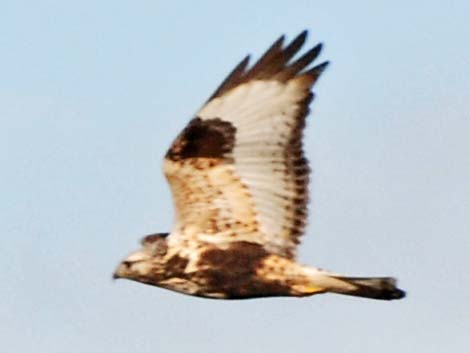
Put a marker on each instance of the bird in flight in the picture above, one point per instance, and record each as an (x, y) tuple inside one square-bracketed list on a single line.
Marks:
[(239, 180)]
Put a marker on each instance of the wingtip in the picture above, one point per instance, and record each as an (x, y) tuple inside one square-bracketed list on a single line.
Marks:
[(245, 61), (320, 67), (301, 37), (279, 42), (304, 34), (318, 48)]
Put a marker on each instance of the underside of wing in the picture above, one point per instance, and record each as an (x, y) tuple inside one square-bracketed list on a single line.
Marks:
[(237, 171)]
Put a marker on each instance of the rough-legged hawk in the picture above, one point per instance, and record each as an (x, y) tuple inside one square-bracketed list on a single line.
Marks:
[(239, 180)]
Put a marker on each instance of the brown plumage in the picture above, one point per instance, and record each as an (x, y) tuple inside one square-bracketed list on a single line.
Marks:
[(239, 180)]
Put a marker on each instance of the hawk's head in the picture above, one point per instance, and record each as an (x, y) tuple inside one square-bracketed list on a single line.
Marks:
[(148, 260)]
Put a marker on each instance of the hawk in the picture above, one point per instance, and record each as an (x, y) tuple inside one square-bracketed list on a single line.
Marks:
[(239, 180)]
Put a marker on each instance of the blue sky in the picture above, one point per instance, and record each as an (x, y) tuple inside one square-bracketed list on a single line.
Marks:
[(91, 95)]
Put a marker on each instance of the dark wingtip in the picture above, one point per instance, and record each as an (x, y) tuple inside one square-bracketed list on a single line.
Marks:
[(275, 64), (321, 67), (317, 49), (303, 34), (279, 42), (300, 39), (245, 61), (316, 71)]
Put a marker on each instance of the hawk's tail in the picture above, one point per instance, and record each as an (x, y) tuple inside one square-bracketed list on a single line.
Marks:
[(384, 288)]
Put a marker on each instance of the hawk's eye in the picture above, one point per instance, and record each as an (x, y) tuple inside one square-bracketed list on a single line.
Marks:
[(127, 263)]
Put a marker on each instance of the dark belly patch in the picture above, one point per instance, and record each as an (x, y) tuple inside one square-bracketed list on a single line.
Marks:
[(232, 272)]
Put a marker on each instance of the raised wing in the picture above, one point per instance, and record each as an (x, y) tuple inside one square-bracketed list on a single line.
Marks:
[(237, 171)]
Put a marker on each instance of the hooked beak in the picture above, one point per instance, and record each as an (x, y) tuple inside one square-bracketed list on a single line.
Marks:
[(122, 270), (117, 272)]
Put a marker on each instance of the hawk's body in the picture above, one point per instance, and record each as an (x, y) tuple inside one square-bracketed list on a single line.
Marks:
[(240, 187)]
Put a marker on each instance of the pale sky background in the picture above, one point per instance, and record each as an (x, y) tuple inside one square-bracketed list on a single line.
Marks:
[(91, 95)]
